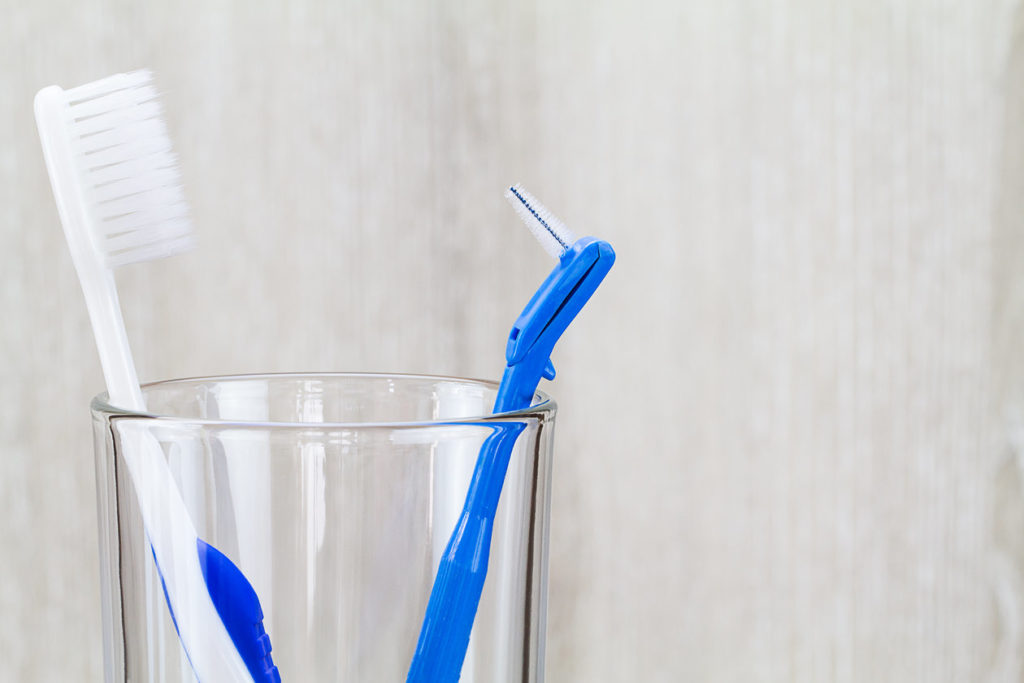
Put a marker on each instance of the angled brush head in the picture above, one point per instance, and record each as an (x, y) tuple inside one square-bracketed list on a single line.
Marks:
[(552, 233), (582, 265)]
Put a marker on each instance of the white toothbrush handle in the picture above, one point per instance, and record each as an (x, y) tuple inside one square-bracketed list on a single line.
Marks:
[(165, 517), (175, 545), (167, 522)]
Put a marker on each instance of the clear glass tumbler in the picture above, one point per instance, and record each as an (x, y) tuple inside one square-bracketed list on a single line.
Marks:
[(335, 494)]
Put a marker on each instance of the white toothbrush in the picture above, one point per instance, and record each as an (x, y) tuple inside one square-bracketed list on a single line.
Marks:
[(117, 188)]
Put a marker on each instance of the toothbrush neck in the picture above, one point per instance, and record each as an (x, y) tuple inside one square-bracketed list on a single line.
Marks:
[(112, 343), (519, 384)]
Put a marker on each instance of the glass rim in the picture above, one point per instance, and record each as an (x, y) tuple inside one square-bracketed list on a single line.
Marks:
[(544, 406)]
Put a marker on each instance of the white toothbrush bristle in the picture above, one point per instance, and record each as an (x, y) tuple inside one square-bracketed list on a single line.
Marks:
[(129, 174), (552, 233)]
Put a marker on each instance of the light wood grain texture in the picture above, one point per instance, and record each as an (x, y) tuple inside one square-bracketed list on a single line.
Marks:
[(792, 421)]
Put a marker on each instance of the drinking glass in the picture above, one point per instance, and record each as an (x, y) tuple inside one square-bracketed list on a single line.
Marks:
[(335, 494)]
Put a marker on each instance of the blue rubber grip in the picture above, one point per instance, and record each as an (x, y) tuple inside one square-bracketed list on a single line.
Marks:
[(239, 608)]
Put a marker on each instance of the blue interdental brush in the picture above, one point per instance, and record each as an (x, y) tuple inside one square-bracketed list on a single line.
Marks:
[(582, 265)]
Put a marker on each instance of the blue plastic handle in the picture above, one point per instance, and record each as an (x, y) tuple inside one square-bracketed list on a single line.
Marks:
[(444, 636)]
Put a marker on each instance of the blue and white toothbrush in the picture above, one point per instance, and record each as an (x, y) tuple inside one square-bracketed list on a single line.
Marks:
[(582, 265), (117, 188)]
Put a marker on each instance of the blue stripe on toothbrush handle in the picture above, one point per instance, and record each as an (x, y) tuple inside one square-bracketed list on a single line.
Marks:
[(455, 596), (170, 607)]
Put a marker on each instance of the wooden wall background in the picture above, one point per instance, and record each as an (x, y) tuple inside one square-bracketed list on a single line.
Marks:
[(792, 422)]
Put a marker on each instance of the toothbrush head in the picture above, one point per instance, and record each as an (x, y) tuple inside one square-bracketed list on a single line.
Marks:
[(128, 197), (552, 233)]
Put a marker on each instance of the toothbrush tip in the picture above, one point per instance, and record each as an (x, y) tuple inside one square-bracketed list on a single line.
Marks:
[(552, 233)]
